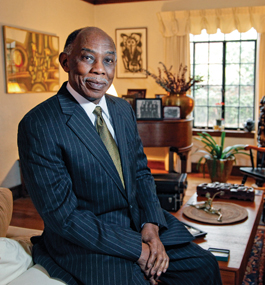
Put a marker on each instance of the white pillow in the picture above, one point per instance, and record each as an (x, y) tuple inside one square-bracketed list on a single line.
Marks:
[(14, 260)]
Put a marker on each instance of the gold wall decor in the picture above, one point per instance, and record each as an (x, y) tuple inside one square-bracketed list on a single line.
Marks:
[(31, 61)]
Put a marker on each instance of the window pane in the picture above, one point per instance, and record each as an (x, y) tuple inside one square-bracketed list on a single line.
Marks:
[(202, 37), (247, 52), (200, 116), (215, 74), (214, 113), (244, 114), (231, 96), (215, 53), (232, 52), (232, 74), (247, 96), (202, 70), (215, 95), (201, 53), (200, 96), (247, 74), (231, 117)]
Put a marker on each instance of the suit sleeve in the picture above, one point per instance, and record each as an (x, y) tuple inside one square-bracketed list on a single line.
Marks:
[(50, 187), (150, 209)]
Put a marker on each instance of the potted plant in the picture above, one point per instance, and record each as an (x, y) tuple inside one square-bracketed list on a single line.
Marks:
[(176, 87), (219, 160)]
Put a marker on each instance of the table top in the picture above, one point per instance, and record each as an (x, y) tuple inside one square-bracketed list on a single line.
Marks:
[(237, 237)]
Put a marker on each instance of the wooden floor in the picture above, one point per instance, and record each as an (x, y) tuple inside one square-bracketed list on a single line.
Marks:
[(26, 216)]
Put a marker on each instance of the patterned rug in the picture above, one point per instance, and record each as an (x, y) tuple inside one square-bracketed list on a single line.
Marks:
[(254, 274)]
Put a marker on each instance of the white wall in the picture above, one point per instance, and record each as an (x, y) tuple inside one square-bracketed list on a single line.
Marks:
[(60, 17)]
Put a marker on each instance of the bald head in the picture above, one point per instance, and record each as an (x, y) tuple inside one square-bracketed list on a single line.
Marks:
[(84, 32)]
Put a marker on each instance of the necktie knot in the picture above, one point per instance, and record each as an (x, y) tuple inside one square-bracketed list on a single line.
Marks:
[(98, 112)]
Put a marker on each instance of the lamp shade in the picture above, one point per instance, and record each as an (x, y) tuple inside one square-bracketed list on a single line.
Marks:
[(112, 91)]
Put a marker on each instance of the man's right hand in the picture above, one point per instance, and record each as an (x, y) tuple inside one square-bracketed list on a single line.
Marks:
[(143, 263)]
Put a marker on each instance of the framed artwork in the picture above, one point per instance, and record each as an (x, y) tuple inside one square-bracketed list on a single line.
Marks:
[(137, 93), (160, 95), (171, 112), (131, 45), (148, 109), (31, 61), (130, 99)]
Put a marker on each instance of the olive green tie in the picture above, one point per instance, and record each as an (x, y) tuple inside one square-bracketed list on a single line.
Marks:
[(108, 141)]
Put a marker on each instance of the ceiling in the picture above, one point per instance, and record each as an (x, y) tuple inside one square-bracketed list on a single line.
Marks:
[(99, 2)]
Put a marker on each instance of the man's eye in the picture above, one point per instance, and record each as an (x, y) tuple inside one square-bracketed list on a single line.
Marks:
[(88, 57), (109, 60)]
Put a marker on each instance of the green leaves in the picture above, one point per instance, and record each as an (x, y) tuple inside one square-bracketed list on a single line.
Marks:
[(212, 150)]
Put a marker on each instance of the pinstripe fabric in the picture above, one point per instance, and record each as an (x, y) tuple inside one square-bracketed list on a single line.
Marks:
[(92, 224)]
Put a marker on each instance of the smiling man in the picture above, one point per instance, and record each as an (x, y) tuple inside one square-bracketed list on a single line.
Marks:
[(84, 167)]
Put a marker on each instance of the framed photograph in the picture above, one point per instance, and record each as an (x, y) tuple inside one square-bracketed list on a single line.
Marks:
[(148, 109), (137, 93), (31, 61), (194, 231), (131, 45), (160, 95), (130, 99), (171, 112)]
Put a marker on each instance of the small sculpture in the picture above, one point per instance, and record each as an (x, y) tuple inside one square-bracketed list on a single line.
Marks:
[(207, 206), (249, 125)]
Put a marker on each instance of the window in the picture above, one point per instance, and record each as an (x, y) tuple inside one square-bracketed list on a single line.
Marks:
[(227, 63)]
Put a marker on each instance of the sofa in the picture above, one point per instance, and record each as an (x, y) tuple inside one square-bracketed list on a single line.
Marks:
[(16, 264)]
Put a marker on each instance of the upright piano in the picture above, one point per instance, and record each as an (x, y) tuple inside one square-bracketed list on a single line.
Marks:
[(175, 134)]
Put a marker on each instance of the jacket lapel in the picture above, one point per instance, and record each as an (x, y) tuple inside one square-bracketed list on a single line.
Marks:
[(81, 125), (120, 133)]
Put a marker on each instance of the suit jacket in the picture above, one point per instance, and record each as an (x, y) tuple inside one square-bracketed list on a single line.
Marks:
[(92, 224)]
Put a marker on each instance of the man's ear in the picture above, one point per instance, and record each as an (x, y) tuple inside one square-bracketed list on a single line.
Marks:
[(63, 58)]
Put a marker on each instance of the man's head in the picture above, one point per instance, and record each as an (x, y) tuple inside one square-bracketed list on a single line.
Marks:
[(89, 58)]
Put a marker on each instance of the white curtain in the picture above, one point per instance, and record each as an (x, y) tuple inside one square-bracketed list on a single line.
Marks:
[(176, 26)]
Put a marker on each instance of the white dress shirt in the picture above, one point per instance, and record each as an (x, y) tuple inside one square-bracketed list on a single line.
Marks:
[(90, 106)]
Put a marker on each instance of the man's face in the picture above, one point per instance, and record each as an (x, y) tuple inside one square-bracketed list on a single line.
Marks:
[(91, 64)]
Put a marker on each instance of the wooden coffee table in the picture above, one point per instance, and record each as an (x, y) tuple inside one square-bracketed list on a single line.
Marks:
[(238, 237)]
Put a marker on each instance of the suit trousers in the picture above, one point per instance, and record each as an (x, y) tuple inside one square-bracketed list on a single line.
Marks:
[(189, 265)]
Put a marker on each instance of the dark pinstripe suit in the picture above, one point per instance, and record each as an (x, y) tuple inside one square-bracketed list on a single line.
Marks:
[(92, 225)]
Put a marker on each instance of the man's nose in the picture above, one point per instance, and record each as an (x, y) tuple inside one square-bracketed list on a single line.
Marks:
[(98, 67)]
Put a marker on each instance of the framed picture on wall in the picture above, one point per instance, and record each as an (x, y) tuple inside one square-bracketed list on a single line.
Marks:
[(148, 109), (137, 93), (31, 61), (131, 47)]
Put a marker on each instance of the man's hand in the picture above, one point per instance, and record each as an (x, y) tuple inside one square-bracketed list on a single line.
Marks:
[(158, 260)]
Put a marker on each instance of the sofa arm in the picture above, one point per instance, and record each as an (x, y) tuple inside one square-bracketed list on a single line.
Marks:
[(14, 232)]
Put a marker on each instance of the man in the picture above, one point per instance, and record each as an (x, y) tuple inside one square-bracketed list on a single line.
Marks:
[(103, 221)]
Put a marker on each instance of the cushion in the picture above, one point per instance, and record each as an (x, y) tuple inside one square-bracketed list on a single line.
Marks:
[(36, 275), (14, 260), (6, 209)]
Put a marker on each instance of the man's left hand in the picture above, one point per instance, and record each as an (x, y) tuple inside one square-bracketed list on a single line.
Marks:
[(158, 261)]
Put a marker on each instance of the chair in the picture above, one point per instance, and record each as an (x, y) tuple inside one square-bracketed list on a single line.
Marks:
[(258, 172)]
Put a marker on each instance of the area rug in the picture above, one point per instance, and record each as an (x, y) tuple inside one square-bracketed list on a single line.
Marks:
[(254, 274)]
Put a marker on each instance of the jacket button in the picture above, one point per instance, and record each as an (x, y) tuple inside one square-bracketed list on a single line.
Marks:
[(131, 206)]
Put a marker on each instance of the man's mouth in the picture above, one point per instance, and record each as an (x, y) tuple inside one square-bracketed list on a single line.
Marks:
[(96, 83)]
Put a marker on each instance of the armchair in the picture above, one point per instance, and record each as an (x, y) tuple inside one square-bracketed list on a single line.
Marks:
[(258, 172)]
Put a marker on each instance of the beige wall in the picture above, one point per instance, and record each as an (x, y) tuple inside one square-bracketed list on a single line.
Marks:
[(56, 17), (60, 17)]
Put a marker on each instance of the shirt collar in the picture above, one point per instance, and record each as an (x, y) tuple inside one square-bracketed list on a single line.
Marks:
[(86, 104)]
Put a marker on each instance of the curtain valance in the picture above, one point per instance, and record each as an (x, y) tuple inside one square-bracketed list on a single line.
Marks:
[(180, 23)]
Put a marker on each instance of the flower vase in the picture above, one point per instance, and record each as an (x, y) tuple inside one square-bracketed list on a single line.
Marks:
[(185, 102)]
